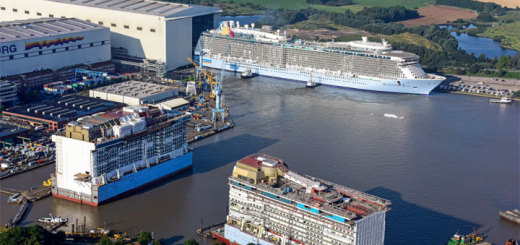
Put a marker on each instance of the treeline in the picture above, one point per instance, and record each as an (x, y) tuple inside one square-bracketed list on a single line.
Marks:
[(481, 7), (396, 13), (34, 234), (331, 2)]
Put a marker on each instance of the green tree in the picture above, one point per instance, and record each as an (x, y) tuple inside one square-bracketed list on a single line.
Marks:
[(191, 242), (504, 62), (145, 238), (157, 242), (32, 235), (105, 241)]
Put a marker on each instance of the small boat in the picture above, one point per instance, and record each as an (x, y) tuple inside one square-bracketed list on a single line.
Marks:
[(247, 74), (53, 219), (311, 83), (503, 100), (513, 216), (15, 198)]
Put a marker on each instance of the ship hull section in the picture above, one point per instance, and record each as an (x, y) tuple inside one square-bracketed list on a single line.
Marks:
[(408, 86), (136, 180)]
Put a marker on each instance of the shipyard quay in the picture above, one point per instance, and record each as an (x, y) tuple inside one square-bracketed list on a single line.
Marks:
[(102, 156), (270, 204)]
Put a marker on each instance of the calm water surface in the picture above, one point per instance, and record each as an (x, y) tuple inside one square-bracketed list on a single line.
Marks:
[(449, 163), (481, 45)]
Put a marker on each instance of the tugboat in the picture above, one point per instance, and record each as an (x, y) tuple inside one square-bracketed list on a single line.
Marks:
[(247, 74), (513, 216), (503, 100), (53, 220), (471, 239), (311, 83)]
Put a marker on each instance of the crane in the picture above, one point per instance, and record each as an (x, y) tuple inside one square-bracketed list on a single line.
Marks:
[(98, 76), (209, 76), (217, 90)]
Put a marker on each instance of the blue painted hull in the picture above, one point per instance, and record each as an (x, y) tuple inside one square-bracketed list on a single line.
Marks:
[(147, 176)]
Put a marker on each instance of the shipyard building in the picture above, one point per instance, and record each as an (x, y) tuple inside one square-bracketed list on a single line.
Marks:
[(135, 92), (8, 93), (101, 157), (160, 31), (49, 43), (54, 114), (270, 204)]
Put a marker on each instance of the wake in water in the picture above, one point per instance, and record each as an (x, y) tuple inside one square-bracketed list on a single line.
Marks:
[(392, 116)]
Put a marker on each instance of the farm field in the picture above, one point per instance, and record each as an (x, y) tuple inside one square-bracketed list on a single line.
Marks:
[(435, 14), (358, 4), (504, 3)]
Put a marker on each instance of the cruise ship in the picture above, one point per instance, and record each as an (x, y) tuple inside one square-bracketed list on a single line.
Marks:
[(361, 64), (269, 204), (106, 155)]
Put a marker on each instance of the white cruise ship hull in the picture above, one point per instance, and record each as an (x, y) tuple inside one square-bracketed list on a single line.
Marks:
[(407, 86)]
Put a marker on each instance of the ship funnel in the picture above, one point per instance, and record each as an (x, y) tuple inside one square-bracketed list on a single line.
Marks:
[(252, 25), (365, 39), (238, 24), (384, 41), (246, 26)]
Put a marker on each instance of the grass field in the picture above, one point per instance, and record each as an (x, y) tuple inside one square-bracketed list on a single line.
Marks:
[(510, 32), (359, 4)]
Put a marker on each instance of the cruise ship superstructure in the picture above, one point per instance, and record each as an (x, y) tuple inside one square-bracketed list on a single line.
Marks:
[(360, 64), (270, 204), (103, 156)]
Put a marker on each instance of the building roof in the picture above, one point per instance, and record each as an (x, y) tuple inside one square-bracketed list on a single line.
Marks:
[(135, 89), (148, 7), (174, 103), (44, 27), (64, 108), (6, 130)]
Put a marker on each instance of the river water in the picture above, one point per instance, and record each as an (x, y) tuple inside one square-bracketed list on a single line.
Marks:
[(447, 162)]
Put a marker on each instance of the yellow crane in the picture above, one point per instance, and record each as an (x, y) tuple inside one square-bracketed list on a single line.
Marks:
[(209, 76)]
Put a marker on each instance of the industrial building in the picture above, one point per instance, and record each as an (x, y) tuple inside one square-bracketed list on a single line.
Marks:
[(49, 43), (135, 92), (12, 135), (8, 93), (54, 114), (101, 157), (270, 204), (160, 31), (178, 104)]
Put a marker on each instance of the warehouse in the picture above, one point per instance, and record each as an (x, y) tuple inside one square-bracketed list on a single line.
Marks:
[(49, 43), (161, 31), (135, 93), (55, 113)]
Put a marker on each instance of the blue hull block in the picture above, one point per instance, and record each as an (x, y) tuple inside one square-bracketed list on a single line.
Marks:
[(147, 176)]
